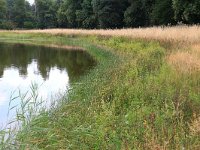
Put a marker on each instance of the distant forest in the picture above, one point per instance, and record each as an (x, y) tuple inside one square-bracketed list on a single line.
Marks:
[(90, 14)]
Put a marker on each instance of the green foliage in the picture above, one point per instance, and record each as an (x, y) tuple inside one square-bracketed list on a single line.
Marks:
[(187, 11), (10, 10), (135, 15), (46, 13), (19, 12), (30, 20), (67, 13), (3, 10), (110, 13), (86, 18), (162, 13), (61, 18), (7, 25), (92, 14)]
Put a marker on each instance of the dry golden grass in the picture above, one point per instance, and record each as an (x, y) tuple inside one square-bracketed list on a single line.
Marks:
[(195, 126), (187, 34), (66, 47), (185, 62), (153, 145), (196, 50)]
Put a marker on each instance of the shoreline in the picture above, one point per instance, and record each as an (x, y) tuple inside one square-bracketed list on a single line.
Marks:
[(133, 98)]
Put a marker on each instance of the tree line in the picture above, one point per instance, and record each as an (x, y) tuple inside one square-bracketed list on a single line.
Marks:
[(91, 14)]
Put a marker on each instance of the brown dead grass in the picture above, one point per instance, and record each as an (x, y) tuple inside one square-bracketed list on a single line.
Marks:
[(195, 126), (185, 62), (65, 47), (186, 34), (60, 47), (153, 145), (196, 50)]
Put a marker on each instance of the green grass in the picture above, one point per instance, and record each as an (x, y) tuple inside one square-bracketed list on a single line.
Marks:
[(132, 99)]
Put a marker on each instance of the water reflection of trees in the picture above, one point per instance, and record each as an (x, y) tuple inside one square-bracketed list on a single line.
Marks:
[(20, 56)]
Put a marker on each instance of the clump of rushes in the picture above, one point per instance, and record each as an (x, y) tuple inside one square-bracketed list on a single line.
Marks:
[(132, 99), (30, 107)]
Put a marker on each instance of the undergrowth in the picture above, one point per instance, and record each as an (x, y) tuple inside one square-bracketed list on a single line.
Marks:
[(132, 99)]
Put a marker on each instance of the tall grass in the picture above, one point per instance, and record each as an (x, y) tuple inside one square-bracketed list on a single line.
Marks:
[(133, 99), (183, 33), (30, 106)]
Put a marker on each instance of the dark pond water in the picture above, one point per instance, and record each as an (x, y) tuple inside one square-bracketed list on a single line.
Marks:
[(51, 69)]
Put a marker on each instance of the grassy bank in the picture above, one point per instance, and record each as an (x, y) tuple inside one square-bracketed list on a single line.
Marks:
[(137, 97)]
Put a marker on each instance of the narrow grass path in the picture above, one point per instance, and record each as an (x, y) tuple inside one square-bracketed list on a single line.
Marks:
[(132, 99)]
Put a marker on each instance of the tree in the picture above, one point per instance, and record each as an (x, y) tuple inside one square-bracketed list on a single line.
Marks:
[(85, 17), (110, 13), (61, 18), (187, 11), (61, 14), (10, 4), (72, 7), (97, 13), (19, 13), (148, 8), (29, 21), (3, 10), (162, 13), (46, 13), (135, 14), (67, 13)]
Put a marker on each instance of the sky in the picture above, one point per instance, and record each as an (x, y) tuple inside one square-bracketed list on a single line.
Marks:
[(31, 1)]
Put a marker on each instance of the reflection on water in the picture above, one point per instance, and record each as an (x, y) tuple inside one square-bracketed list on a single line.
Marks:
[(52, 69)]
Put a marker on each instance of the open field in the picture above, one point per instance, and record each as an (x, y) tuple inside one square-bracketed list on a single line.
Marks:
[(186, 34), (143, 94)]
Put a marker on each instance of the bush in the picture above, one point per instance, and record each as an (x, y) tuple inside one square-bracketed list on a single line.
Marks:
[(29, 25), (8, 25)]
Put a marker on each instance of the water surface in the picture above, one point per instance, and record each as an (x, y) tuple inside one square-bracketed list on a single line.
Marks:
[(52, 69)]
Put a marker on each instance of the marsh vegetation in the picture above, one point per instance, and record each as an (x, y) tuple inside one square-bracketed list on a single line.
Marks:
[(143, 92)]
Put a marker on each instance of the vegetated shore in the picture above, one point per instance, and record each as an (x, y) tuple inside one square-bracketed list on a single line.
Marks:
[(143, 94)]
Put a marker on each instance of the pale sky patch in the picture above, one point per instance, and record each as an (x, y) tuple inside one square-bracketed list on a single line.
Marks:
[(31, 1)]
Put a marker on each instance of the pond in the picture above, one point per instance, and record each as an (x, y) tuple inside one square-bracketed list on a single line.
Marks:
[(51, 69)]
